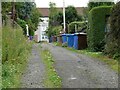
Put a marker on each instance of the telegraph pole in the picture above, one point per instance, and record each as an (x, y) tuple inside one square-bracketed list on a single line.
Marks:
[(64, 15)]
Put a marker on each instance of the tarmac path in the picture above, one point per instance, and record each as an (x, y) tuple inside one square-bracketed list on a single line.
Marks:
[(81, 71)]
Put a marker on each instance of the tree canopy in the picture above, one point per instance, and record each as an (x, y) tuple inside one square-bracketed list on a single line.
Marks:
[(24, 11)]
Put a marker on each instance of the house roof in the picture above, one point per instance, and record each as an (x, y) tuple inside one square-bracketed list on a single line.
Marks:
[(45, 11)]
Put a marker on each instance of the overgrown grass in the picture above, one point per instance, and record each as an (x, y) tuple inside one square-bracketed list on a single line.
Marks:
[(52, 80), (99, 55), (15, 51)]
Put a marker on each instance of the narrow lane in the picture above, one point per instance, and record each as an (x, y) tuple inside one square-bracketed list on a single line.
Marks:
[(80, 71), (33, 76)]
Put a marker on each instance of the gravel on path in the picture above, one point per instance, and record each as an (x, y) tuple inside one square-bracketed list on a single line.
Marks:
[(81, 71), (33, 75)]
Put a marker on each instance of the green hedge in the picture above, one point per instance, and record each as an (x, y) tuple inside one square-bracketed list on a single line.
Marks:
[(112, 46), (97, 24), (79, 26)]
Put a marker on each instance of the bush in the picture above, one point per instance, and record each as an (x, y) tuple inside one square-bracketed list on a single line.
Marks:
[(22, 23), (97, 24), (79, 26), (113, 37), (53, 31)]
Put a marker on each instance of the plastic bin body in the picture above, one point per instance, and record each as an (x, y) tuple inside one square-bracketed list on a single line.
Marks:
[(75, 45), (70, 40), (80, 41), (64, 38)]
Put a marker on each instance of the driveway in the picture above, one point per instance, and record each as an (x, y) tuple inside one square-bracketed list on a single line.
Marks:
[(34, 73), (81, 71)]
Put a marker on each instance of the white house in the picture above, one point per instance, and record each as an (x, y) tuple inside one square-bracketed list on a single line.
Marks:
[(42, 27)]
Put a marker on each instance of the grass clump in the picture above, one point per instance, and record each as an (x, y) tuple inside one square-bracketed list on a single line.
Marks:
[(52, 80), (15, 51)]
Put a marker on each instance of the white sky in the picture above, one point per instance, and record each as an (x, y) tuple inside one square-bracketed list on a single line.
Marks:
[(59, 3)]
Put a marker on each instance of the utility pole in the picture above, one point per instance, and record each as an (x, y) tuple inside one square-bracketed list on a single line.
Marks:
[(64, 15), (0, 16)]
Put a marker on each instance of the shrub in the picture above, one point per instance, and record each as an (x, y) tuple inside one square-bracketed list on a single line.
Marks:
[(97, 24), (22, 23), (79, 26), (52, 31), (113, 37)]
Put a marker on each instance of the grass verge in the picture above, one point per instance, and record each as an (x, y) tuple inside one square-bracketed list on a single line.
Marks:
[(15, 52), (52, 80), (99, 55)]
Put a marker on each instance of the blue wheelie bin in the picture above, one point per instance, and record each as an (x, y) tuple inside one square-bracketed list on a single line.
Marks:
[(75, 45), (70, 40), (64, 38)]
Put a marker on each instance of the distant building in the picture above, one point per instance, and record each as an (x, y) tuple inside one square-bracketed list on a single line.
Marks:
[(40, 32)]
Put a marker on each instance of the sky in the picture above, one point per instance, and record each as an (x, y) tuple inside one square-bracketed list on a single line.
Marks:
[(59, 3)]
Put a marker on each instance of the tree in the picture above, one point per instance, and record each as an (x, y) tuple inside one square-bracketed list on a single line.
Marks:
[(28, 12), (53, 14), (71, 14), (35, 17), (24, 9), (55, 21)]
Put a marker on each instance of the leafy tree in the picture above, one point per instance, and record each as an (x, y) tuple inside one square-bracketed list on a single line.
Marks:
[(54, 20), (26, 12), (23, 9), (71, 14), (53, 14), (35, 17)]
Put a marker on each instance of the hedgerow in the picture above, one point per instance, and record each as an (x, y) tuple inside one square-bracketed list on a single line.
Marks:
[(113, 37), (97, 23)]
